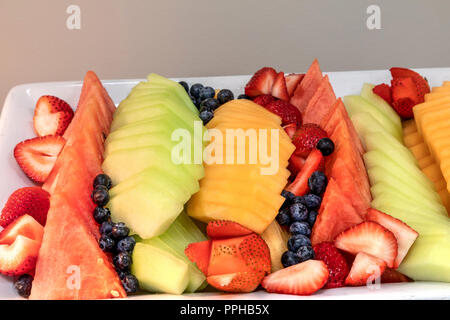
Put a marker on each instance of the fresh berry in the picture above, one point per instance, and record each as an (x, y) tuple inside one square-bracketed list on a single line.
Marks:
[(290, 129), (52, 116), (264, 99), (195, 90), (301, 279), (279, 89), (206, 93), (292, 81), (296, 241), (393, 276), (206, 116), (317, 183), (219, 229), (306, 138), (371, 238), (298, 212), (119, 231), (18, 257), (106, 243), (286, 111), (312, 218), (289, 196), (101, 214), (283, 217), (25, 226), (420, 82), (100, 196), (199, 253), (194, 100), (103, 180), (239, 282), (365, 268), (122, 273), (300, 186), (33, 201), (296, 164), (326, 146), (23, 285), (130, 284), (305, 253), (106, 228), (299, 199), (404, 234), (404, 96), (261, 82), (312, 201), (184, 85), (289, 258), (210, 104), (335, 261), (126, 244), (37, 156), (300, 228), (244, 96), (122, 261), (384, 91), (224, 96)]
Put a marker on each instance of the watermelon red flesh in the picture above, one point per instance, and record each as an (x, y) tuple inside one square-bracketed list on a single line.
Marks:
[(321, 103), (69, 253), (306, 89), (336, 214)]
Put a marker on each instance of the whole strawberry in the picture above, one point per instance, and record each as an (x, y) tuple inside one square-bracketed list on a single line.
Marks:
[(336, 264), (306, 138), (33, 201), (286, 111), (264, 99)]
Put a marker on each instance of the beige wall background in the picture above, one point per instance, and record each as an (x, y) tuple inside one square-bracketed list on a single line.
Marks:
[(130, 38)]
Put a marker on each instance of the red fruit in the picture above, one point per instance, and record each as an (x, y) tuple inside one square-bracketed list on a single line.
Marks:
[(37, 156), (52, 116), (33, 201), (371, 238), (236, 282), (25, 226), (226, 229), (296, 164), (301, 279), (306, 138), (261, 82), (299, 186), (384, 91), (393, 276), (264, 99), (290, 129), (279, 89), (365, 269), (292, 81), (404, 234), (19, 257), (420, 82), (199, 253), (404, 96), (336, 264), (286, 111)]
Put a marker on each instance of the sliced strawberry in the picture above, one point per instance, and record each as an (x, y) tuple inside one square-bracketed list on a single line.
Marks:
[(301, 279), (226, 229), (19, 257), (33, 201), (292, 81), (264, 99), (286, 111), (404, 234), (404, 97), (299, 186), (306, 138), (296, 164), (420, 82), (371, 238), (279, 89), (384, 91), (25, 226), (52, 116), (290, 129), (37, 156), (393, 276), (335, 261), (365, 269), (261, 82), (236, 282), (199, 253)]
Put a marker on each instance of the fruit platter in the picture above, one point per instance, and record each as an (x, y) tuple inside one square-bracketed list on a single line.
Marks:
[(313, 185)]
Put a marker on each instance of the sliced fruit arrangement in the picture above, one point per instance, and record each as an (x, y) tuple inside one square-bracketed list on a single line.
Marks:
[(52, 116)]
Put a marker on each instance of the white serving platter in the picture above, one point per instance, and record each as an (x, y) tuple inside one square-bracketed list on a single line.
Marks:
[(16, 125)]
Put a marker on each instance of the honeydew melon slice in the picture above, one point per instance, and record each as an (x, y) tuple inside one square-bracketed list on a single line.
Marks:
[(364, 124)]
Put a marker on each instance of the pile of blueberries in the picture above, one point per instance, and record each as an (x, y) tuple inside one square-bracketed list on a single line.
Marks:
[(204, 98), (114, 237)]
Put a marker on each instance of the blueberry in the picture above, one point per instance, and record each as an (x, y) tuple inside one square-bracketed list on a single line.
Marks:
[(206, 116), (23, 285), (312, 218), (106, 227), (103, 180), (119, 230), (289, 196), (298, 212), (130, 283), (100, 196), (206, 93), (210, 104), (126, 244), (194, 100), (325, 146), (305, 253), (106, 243), (296, 241), (317, 183), (225, 95), (289, 258), (195, 90), (101, 214), (283, 217), (243, 96), (299, 199), (185, 85), (312, 201), (300, 228), (122, 273), (122, 261)]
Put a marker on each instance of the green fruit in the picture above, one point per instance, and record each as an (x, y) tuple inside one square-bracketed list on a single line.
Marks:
[(392, 148), (365, 124)]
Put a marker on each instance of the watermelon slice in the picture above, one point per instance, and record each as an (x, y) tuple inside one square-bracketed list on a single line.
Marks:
[(307, 87), (321, 103)]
